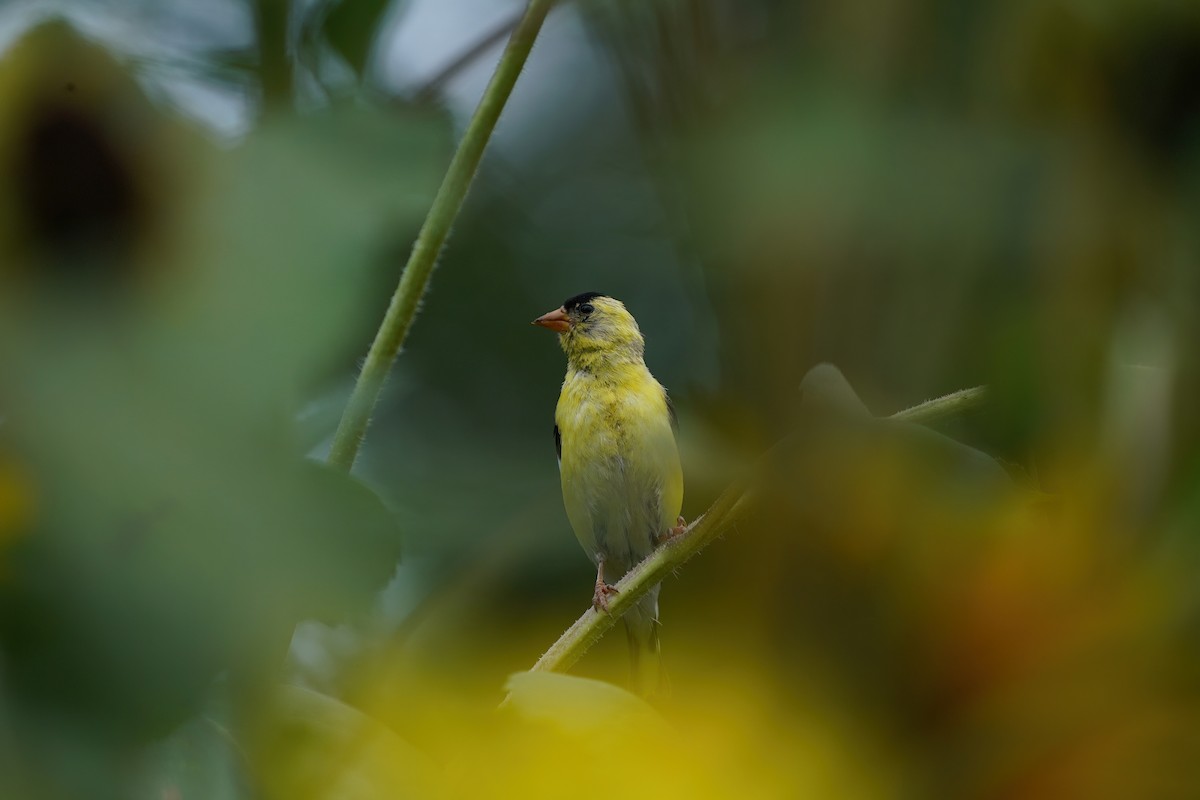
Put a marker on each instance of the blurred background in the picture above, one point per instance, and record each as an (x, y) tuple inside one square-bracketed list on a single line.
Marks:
[(204, 209)]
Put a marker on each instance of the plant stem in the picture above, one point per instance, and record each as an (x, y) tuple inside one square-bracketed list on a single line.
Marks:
[(590, 627), (945, 406), (718, 520), (445, 209)]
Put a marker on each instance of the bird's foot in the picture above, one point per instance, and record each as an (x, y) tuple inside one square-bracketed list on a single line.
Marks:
[(600, 596), (680, 527)]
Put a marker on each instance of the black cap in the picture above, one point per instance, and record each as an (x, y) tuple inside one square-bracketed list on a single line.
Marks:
[(571, 302)]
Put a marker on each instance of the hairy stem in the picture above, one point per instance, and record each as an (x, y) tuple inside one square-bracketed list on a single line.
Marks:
[(945, 406), (446, 206), (718, 520)]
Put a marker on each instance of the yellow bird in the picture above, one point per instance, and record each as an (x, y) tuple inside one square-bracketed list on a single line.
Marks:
[(622, 482)]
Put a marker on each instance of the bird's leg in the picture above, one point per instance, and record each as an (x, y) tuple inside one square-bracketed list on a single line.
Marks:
[(603, 590)]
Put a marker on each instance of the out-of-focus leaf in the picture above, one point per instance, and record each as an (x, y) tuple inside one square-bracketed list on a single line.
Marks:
[(112, 616), (287, 232), (323, 748), (582, 706), (176, 535), (200, 760), (352, 27), (835, 422), (345, 542), (825, 389), (117, 631)]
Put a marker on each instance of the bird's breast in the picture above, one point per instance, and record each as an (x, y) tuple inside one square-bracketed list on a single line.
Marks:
[(619, 466), (612, 425)]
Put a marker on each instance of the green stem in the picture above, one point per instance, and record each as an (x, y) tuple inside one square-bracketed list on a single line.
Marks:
[(945, 406), (720, 518), (446, 206)]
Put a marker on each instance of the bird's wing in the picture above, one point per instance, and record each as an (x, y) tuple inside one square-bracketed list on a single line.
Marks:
[(652, 465), (672, 485), (558, 444)]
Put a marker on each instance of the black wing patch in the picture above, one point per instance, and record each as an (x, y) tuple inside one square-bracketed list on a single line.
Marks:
[(557, 443)]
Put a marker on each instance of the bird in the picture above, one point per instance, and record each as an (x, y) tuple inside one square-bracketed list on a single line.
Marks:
[(619, 465)]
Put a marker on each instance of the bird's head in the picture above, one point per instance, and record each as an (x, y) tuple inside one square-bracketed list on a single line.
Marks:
[(594, 329)]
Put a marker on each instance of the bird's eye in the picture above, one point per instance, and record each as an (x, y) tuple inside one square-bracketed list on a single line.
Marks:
[(586, 309)]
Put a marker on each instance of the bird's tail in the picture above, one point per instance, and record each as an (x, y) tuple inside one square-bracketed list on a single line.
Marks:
[(647, 675)]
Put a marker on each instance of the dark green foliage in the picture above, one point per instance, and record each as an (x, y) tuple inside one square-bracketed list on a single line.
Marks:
[(352, 27)]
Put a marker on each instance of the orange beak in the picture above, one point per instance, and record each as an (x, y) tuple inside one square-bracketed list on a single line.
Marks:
[(557, 320)]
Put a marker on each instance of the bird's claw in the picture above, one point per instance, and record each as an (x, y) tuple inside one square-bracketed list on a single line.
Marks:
[(680, 527), (600, 597)]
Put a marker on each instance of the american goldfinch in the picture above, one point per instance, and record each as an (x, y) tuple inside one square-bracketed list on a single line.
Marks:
[(621, 479)]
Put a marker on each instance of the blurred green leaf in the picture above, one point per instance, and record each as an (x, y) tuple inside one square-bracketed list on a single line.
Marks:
[(326, 748), (200, 760), (352, 27), (288, 233), (346, 543), (176, 537)]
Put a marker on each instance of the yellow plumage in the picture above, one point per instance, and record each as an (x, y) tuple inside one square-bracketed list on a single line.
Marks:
[(621, 478)]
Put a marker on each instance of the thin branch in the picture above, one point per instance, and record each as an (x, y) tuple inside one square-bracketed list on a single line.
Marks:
[(717, 521), (590, 627), (446, 206)]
